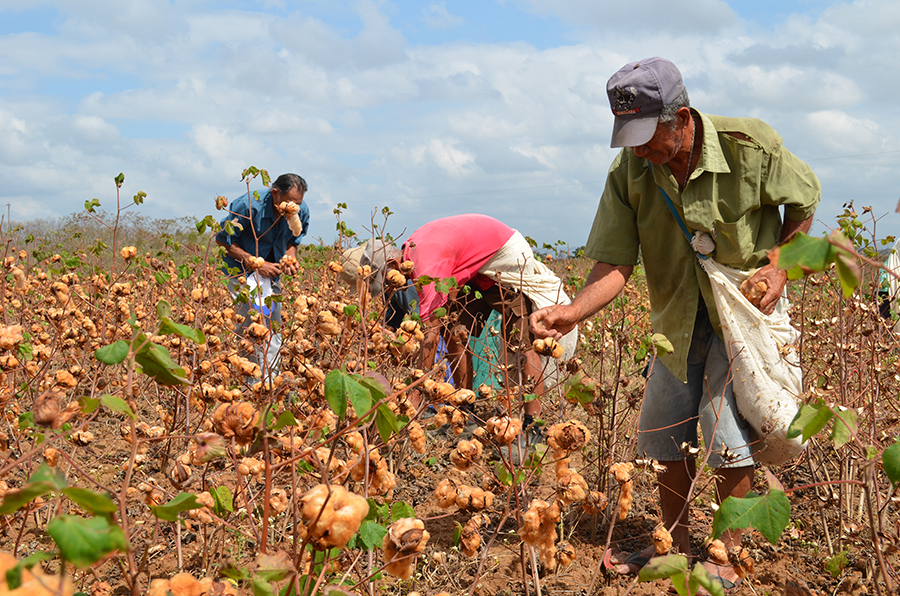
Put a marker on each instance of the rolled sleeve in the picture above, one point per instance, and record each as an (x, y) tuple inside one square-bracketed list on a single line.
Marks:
[(792, 184), (614, 235)]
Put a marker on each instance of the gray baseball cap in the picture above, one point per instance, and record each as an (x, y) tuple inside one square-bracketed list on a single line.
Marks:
[(637, 94)]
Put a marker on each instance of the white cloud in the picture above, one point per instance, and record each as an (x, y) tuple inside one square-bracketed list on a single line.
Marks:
[(636, 19), (437, 16), (341, 96), (839, 132), (93, 129)]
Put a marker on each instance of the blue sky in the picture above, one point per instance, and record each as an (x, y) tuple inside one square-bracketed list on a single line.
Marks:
[(430, 108)]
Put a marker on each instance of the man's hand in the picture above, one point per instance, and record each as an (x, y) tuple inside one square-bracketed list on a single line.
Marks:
[(604, 283), (290, 268), (553, 321), (775, 280), (270, 270)]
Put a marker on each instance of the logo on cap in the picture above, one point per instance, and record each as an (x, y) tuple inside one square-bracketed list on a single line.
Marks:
[(624, 101)]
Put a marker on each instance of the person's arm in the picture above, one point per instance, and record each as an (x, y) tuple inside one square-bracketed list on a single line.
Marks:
[(774, 278), (603, 284), (431, 328), (241, 256)]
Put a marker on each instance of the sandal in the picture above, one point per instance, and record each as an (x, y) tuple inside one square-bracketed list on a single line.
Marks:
[(635, 559)]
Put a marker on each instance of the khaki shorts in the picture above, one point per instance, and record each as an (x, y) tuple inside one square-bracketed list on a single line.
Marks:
[(672, 409)]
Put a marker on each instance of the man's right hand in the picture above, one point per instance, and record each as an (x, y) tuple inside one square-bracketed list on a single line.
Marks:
[(553, 321)]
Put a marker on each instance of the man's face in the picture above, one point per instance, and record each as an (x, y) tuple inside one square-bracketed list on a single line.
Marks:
[(666, 142), (295, 195)]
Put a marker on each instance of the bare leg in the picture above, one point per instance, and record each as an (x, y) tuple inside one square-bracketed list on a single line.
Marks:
[(733, 482), (674, 484), (533, 371), (730, 482)]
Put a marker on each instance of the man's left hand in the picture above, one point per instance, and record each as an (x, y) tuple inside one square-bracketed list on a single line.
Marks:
[(775, 280), (270, 270)]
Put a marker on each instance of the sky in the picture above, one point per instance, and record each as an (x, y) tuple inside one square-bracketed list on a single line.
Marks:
[(427, 108)]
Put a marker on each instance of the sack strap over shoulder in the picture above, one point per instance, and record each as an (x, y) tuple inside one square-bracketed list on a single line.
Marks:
[(678, 218)]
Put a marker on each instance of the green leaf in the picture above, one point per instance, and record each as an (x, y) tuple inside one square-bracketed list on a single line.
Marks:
[(91, 501), (161, 277), (371, 534), (238, 574), (168, 327), (804, 252), (224, 501), (663, 567), (700, 576), (360, 397), (260, 587), (14, 575), (505, 477), (386, 422), (401, 510), (26, 351), (530, 397), (890, 459), (846, 423), (457, 533), (810, 419), (642, 352), (113, 353), (120, 180), (156, 362), (803, 255), (662, 344), (848, 274), (580, 388), (163, 309), (336, 391), (117, 404), (836, 564), (182, 502), (53, 477), (286, 419), (14, 500), (84, 542), (770, 514), (88, 404), (438, 313)]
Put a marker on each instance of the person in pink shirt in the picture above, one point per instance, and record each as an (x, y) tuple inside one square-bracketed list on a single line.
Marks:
[(498, 266)]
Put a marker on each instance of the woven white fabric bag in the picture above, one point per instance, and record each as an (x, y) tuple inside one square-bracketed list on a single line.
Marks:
[(765, 364)]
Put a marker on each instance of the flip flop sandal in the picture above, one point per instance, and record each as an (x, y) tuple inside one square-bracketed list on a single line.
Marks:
[(635, 558), (727, 583)]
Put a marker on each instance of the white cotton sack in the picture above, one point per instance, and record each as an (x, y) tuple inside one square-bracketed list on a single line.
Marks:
[(765, 364)]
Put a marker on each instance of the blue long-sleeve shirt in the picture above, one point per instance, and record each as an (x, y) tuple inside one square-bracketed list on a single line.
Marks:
[(268, 237)]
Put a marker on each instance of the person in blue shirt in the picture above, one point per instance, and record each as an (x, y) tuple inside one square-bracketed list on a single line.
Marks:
[(266, 234), (263, 232)]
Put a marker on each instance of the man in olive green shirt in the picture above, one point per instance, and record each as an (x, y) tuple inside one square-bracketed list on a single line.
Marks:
[(727, 179)]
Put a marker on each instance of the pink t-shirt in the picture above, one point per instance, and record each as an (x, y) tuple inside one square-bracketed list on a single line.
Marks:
[(456, 246)]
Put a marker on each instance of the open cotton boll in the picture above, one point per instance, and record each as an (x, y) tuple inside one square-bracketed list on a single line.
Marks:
[(295, 224)]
